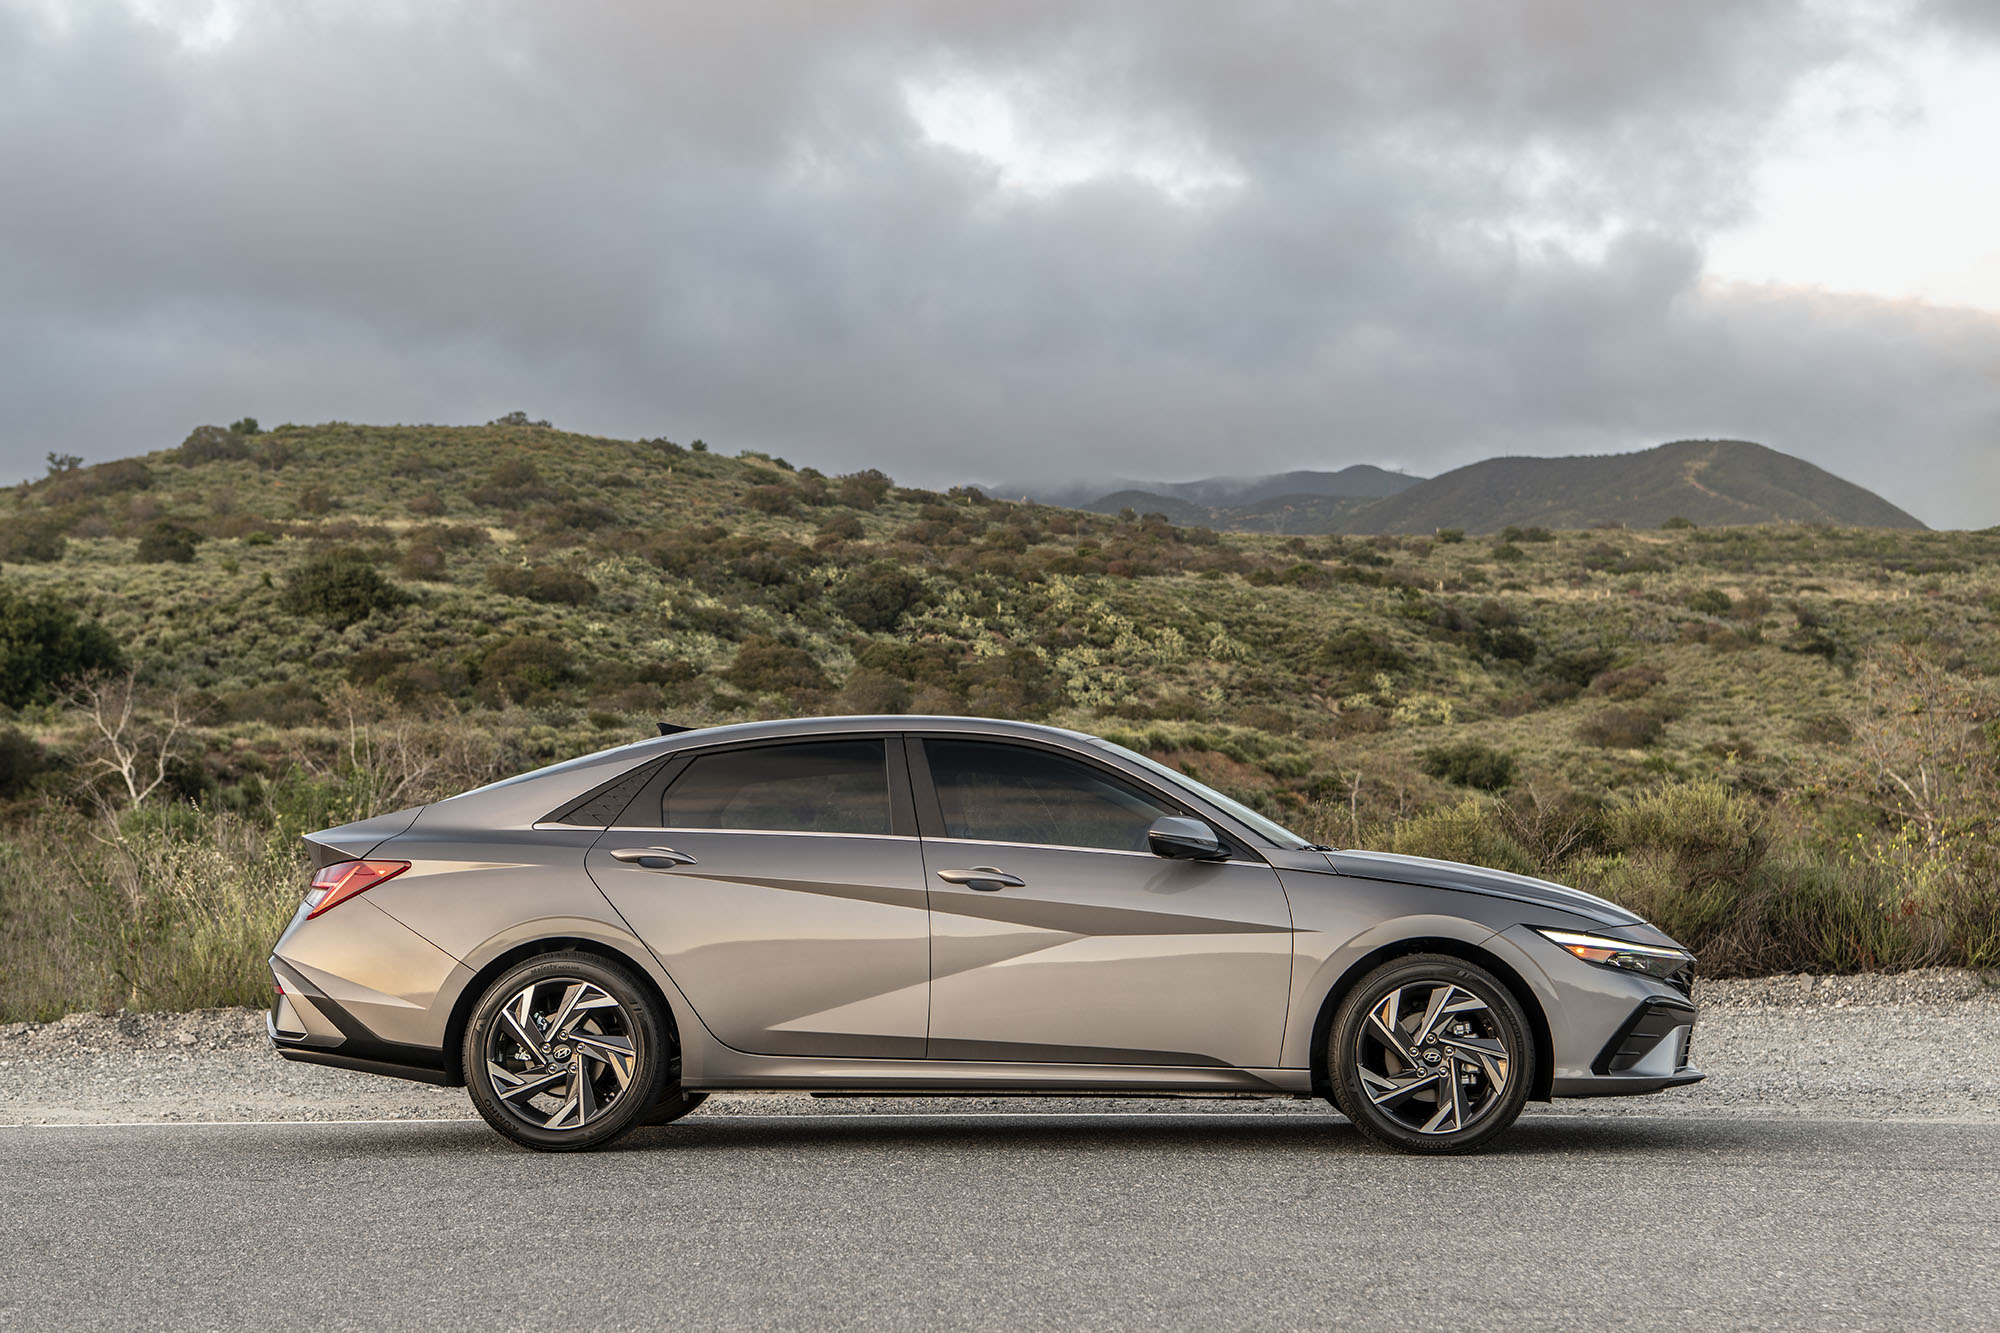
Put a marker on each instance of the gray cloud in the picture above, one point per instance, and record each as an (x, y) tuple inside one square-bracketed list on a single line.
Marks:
[(1457, 230)]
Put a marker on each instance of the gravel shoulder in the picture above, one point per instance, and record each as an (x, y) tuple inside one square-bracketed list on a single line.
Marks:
[(1914, 1046)]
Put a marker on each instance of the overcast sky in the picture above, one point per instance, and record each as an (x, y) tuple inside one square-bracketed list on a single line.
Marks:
[(1018, 240)]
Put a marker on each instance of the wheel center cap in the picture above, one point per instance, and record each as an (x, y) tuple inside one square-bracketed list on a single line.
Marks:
[(562, 1052)]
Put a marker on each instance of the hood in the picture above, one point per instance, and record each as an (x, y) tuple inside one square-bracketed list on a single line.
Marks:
[(1476, 879), (350, 842)]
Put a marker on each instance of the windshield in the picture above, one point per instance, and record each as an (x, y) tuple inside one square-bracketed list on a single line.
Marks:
[(1270, 830)]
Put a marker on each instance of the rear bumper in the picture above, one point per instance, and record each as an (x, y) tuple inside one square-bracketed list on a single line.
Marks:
[(306, 1026)]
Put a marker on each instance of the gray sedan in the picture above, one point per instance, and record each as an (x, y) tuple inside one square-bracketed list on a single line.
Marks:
[(937, 906)]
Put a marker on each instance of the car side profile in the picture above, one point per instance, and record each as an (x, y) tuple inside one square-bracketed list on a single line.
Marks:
[(939, 905)]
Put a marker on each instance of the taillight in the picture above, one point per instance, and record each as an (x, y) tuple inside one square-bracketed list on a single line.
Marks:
[(344, 879)]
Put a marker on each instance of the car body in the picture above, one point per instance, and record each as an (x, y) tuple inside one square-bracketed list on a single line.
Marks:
[(965, 906)]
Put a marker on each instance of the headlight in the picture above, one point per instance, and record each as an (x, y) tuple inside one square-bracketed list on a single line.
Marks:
[(1651, 959)]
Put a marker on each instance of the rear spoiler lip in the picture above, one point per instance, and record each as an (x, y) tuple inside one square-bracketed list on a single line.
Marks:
[(352, 842)]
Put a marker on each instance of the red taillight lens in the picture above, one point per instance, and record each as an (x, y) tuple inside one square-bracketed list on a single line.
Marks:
[(343, 879)]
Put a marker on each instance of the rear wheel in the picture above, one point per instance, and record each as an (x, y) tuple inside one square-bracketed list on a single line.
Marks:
[(676, 1103), (1430, 1054), (565, 1052)]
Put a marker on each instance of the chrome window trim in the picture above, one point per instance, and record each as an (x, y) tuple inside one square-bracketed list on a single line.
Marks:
[(760, 832)]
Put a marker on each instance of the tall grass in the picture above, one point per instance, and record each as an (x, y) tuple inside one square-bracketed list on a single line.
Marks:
[(165, 909)]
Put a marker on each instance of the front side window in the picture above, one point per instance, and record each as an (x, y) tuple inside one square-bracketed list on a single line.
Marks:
[(1010, 793), (811, 787)]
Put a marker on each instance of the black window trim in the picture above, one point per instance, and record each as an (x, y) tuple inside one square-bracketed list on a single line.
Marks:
[(643, 811), (564, 813), (930, 813)]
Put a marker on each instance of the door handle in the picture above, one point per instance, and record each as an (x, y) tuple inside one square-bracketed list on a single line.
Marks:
[(652, 858), (984, 878)]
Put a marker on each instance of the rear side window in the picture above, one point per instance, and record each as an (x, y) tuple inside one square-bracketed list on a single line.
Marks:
[(1010, 793), (812, 787)]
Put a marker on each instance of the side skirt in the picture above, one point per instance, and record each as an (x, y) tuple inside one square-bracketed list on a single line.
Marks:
[(906, 1078)]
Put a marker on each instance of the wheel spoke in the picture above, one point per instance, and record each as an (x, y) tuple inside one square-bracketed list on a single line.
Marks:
[(511, 1085), (1383, 1019), (615, 1053), (570, 997), (1392, 1090), (523, 1028), (580, 1012)]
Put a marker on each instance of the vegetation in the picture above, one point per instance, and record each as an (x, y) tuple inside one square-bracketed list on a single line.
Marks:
[(1779, 740)]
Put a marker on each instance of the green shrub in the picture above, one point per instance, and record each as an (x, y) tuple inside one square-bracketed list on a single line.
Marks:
[(1450, 536), (210, 444), (1709, 602), (1623, 728), (878, 596), (543, 583), (1677, 524), (526, 666), (167, 543), (862, 490), (1468, 832), (869, 692), (31, 541), (339, 587), (21, 762), (247, 426), (1632, 682), (765, 666), (774, 499), (45, 647), (1471, 764)]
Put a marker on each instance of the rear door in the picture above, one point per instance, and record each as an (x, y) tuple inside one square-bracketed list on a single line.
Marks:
[(1101, 952), (781, 886)]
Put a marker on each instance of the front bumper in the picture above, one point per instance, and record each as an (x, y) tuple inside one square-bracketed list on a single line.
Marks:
[(1648, 1053)]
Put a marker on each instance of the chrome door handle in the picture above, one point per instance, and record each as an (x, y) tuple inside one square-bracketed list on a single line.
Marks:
[(985, 878), (652, 858)]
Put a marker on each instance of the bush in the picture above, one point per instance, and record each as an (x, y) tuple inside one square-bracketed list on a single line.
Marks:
[(863, 490), (778, 500), (869, 692), (247, 426), (1709, 602), (45, 647), (1677, 524), (21, 761), (878, 596), (765, 666), (1468, 832), (1450, 536), (31, 541), (1624, 728), (543, 583), (339, 587), (211, 444), (526, 666), (1471, 764), (167, 543), (1632, 682)]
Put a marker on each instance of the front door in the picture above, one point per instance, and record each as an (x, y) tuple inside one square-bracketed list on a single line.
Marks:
[(1101, 952), (774, 885)]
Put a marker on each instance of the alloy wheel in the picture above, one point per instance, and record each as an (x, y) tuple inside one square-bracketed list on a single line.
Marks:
[(1431, 1057), (561, 1054)]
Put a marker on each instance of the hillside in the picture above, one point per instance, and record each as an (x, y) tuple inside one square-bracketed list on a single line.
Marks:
[(355, 618), (1209, 498), (1709, 482)]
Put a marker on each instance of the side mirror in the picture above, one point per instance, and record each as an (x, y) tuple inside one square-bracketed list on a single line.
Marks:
[(1183, 839)]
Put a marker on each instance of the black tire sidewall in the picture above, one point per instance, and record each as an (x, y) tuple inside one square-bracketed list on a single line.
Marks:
[(1344, 1075), (673, 1104), (652, 1042)]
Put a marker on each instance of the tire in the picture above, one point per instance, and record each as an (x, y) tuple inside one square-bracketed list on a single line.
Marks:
[(1451, 1080), (589, 1063)]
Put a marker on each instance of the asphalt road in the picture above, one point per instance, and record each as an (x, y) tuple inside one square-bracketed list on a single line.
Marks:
[(1053, 1221)]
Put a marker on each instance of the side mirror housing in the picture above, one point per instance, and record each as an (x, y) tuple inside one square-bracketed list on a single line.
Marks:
[(1181, 839)]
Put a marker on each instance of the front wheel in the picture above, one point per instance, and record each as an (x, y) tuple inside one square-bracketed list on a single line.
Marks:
[(565, 1052), (1430, 1054)]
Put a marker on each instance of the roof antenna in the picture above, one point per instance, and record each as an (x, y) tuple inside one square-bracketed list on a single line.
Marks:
[(673, 728)]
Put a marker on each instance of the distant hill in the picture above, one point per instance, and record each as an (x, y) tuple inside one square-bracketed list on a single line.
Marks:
[(1107, 497), (1711, 482)]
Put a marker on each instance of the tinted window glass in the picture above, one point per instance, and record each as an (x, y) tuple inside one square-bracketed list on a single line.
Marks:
[(816, 787), (1009, 793)]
